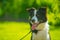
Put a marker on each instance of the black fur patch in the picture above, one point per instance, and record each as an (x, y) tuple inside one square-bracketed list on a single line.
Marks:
[(35, 31)]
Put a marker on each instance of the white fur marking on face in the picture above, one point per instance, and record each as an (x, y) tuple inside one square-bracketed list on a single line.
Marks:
[(34, 17)]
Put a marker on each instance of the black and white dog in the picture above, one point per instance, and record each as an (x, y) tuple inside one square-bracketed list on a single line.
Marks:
[(39, 23)]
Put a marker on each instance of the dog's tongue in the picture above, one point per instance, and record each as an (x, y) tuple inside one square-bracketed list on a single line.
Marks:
[(34, 26)]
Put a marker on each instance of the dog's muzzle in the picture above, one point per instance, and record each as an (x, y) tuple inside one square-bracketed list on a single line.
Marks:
[(34, 26)]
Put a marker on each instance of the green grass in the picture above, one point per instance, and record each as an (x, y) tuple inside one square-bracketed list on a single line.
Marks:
[(55, 34), (16, 30)]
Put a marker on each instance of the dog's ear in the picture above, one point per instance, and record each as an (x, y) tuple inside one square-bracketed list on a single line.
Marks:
[(42, 10), (30, 10), (27, 9)]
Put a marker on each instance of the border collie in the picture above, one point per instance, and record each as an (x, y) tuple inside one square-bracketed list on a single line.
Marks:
[(39, 24)]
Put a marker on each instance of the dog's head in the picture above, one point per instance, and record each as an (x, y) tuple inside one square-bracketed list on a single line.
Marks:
[(37, 16)]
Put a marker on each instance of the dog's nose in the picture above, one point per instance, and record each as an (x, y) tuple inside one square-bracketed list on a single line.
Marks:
[(33, 20)]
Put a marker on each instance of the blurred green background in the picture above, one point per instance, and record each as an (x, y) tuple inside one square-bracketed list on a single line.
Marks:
[(14, 18)]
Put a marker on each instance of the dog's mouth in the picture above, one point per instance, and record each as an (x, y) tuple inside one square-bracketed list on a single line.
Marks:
[(34, 25)]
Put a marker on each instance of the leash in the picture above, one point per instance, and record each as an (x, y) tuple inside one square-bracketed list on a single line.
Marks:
[(25, 35)]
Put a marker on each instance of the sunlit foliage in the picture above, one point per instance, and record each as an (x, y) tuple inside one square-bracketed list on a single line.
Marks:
[(16, 9)]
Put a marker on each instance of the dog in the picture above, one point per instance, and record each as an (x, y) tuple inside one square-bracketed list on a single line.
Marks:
[(39, 24)]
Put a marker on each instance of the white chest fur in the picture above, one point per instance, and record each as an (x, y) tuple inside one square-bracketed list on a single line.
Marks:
[(43, 34)]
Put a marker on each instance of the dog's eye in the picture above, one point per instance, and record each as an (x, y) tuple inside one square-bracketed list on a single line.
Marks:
[(31, 14), (37, 15)]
